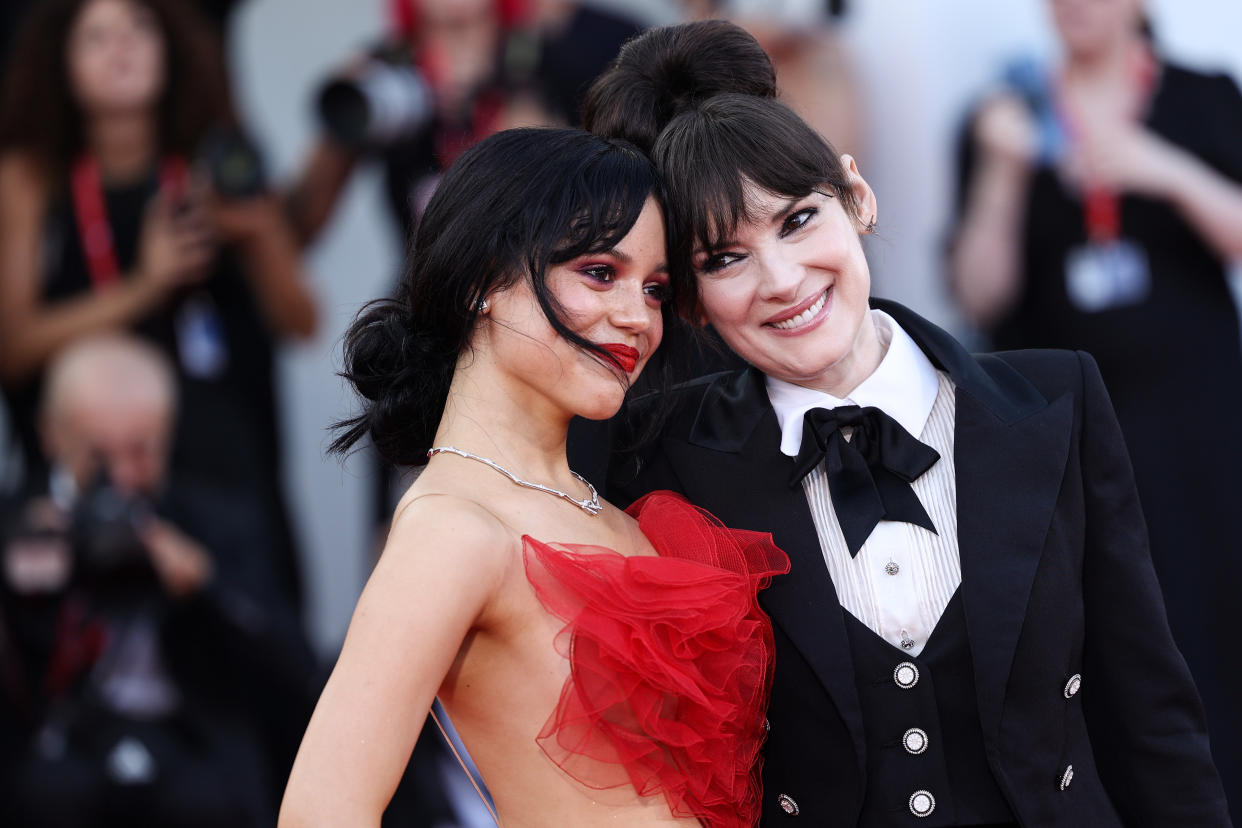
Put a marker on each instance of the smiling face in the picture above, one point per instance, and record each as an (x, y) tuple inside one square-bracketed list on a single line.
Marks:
[(115, 57), (788, 290), (613, 298)]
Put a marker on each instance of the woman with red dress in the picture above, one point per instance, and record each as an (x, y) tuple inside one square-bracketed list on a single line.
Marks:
[(602, 667)]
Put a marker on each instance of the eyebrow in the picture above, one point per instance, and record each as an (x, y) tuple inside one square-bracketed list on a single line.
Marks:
[(626, 258), (780, 214)]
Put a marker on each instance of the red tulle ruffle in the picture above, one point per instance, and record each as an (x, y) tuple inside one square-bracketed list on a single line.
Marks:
[(670, 660)]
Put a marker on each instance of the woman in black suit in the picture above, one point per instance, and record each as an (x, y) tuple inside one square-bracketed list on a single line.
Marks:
[(972, 633)]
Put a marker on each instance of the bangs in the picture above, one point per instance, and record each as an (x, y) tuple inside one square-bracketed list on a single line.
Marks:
[(708, 156), (603, 204)]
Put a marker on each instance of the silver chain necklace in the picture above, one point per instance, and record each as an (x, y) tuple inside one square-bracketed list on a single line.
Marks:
[(590, 505)]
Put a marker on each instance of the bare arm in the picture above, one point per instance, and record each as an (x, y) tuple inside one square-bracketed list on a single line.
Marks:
[(1210, 202), (272, 263), (439, 573), (30, 330), (312, 199), (985, 259), (1129, 158)]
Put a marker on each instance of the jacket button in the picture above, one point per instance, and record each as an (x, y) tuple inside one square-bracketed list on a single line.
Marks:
[(906, 675), (922, 803), (1071, 686), (914, 740), (1067, 777), (787, 804)]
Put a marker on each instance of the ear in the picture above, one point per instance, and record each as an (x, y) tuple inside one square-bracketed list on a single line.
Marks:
[(864, 198)]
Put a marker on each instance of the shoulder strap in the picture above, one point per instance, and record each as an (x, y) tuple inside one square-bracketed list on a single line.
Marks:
[(448, 740)]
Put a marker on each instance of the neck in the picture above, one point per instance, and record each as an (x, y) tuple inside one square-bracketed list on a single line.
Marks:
[(123, 144), (861, 362), (528, 440), (1110, 62)]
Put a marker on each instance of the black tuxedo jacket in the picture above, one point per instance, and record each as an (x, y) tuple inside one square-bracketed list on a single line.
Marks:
[(1056, 581)]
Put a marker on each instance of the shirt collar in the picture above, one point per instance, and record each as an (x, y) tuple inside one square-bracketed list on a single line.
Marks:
[(904, 386)]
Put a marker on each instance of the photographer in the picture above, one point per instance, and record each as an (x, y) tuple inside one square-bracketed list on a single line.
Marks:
[(128, 200), (160, 673)]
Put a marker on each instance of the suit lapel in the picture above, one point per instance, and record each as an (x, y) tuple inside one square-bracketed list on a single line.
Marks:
[(1010, 451), (742, 477), (1008, 480)]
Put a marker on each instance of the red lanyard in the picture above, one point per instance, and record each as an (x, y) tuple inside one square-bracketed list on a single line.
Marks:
[(92, 214), (1101, 205)]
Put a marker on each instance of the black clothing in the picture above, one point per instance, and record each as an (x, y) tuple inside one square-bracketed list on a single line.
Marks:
[(952, 765), (567, 60), (1056, 581), (244, 678), (1172, 362), (227, 431)]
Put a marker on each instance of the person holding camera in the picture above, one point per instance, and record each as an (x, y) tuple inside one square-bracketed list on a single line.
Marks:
[(129, 200), (156, 657)]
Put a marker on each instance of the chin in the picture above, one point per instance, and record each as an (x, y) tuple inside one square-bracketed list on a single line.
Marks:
[(602, 407)]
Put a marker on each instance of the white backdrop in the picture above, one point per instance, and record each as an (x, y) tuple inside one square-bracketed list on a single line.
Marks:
[(919, 63)]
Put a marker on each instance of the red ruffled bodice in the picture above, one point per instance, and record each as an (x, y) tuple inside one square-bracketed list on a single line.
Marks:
[(670, 660)]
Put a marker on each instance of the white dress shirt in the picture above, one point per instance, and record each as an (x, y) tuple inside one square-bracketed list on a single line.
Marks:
[(904, 575)]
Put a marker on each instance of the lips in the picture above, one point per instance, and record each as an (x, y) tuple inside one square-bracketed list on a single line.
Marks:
[(625, 356), (801, 314)]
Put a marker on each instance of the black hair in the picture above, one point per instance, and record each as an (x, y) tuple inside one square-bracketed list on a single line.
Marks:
[(706, 156), (511, 206), (708, 90), (41, 118), (670, 69)]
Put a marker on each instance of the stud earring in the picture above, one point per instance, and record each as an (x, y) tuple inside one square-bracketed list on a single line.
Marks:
[(481, 306), (870, 228)]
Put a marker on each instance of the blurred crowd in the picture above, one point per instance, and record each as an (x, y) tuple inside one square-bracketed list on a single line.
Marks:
[(154, 661)]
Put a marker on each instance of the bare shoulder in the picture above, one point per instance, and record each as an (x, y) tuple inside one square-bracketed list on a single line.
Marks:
[(430, 529)]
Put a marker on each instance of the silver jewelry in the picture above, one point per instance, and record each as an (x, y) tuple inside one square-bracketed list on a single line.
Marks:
[(590, 505), (870, 228), (481, 306)]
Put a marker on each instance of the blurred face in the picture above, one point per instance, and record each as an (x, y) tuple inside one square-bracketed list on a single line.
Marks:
[(789, 290), (612, 298), (116, 57), (126, 438), (1087, 27)]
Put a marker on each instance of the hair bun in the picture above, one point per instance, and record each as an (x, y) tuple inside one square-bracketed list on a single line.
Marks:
[(665, 71), (396, 368)]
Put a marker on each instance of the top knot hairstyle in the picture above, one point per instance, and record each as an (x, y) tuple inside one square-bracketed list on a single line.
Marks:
[(669, 70), (512, 206), (700, 99)]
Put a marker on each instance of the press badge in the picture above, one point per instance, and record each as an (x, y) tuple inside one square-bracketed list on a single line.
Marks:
[(200, 338), (1100, 276)]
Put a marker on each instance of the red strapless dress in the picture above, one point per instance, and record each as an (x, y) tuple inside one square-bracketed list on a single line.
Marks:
[(670, 660)]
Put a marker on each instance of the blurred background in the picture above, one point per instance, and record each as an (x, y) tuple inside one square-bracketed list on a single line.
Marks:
[(258, 227)]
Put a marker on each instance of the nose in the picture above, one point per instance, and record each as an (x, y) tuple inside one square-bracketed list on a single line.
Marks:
[(631, 311), (780, 274)]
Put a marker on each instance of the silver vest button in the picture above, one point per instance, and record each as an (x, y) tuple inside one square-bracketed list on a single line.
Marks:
[(922, 803), (1067, 777), (787, 804), (1071, 686), (915, 740), (906, 675)]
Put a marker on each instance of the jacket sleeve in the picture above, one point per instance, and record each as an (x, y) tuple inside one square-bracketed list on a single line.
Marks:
[(1143, 713)]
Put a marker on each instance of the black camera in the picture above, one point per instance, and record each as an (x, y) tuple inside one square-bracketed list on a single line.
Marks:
[(232, 163), (378, 102), (109, 557)]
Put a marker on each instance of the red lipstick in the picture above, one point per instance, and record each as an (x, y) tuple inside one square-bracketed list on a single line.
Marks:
[(625, 356)]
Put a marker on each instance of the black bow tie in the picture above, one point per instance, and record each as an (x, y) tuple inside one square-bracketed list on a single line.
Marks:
[(869, 476)]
